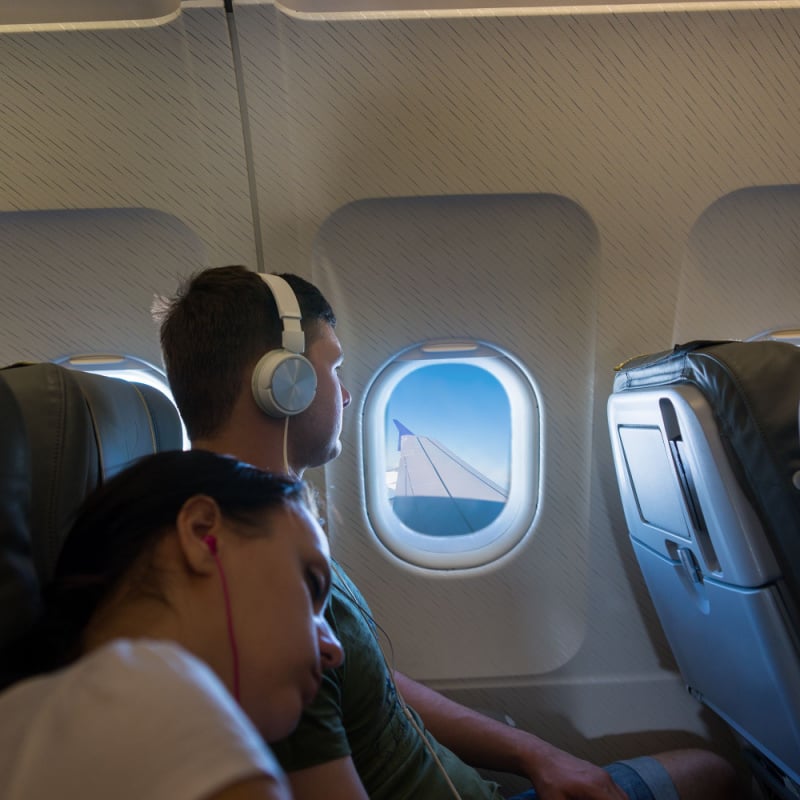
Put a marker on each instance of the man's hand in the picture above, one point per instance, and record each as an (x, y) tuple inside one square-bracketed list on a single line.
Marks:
[(485, 743), (557, 775)]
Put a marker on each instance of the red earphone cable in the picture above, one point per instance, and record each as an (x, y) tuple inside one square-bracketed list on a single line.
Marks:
[(212, 546)]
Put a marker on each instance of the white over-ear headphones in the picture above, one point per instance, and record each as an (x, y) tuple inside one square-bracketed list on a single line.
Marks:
[(284, 381)]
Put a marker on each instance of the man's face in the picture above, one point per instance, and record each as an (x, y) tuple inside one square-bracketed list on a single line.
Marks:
[(314, 434)]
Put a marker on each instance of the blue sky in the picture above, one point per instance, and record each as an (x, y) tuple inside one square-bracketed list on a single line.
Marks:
[(463, 406)]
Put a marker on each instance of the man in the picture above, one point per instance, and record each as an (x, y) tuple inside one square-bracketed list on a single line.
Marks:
[(371, 732)]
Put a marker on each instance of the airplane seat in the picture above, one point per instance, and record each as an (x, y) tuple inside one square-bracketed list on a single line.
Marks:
[(62, 433), (707, 455)]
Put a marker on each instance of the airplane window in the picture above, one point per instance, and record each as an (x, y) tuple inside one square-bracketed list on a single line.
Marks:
[(432, 488), (448, 485), (127, 368)]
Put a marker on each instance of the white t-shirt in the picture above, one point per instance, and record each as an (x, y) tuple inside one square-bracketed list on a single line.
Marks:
[(134, 720)]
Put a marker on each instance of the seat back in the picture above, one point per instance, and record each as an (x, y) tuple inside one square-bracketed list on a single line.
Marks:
[(707, 455), (61, 434)]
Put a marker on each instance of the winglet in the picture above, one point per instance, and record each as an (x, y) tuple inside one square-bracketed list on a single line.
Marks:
[(401, 431)]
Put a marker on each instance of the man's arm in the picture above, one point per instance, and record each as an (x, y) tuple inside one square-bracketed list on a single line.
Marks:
[(485, 743), (333, 780)]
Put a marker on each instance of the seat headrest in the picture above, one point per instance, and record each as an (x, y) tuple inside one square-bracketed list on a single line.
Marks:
[(752, 390), (61, 434), (19, 586)]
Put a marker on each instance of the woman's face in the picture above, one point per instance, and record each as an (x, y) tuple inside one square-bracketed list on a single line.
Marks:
[(279, 584)]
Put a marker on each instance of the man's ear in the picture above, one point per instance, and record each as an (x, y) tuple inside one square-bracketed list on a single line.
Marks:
[(198, 524)]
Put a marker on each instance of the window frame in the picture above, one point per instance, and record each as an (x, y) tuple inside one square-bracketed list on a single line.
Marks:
[(517, 519)]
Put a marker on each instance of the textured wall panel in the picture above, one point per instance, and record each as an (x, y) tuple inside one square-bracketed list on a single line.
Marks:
[(84, 281), (128, 118), (742, 260), (517, 272)]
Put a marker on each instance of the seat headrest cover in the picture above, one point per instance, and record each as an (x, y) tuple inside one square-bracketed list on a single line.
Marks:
[(130, 420), (19, 584), (753, 389), (61, 448), (62, 433)]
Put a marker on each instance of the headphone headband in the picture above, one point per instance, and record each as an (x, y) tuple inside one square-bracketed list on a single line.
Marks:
[(292, 337)]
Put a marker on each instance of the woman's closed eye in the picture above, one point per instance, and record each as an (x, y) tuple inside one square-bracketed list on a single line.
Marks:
[(317, 587)]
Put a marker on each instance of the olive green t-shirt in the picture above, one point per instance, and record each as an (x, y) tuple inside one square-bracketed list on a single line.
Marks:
[(357, 713)]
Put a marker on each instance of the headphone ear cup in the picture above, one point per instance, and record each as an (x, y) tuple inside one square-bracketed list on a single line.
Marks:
[(283, 383)]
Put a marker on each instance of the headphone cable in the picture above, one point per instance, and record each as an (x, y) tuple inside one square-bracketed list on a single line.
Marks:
[(286, 446)]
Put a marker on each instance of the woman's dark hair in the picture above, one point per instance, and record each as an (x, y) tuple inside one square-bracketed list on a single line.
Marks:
[(120, 521)]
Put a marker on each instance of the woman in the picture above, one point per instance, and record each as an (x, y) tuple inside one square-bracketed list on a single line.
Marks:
[(190, 588)]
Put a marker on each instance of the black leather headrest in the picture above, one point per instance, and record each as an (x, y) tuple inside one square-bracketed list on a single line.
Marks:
[(61, 434), (19, 585)]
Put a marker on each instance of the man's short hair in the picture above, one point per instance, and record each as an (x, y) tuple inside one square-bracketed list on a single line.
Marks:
[(217, 326)]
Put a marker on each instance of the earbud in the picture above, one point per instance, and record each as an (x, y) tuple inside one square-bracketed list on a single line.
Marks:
[(210, 542)]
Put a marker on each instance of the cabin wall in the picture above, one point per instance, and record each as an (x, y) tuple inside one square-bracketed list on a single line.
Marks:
[(628, 180), (142, 121)]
